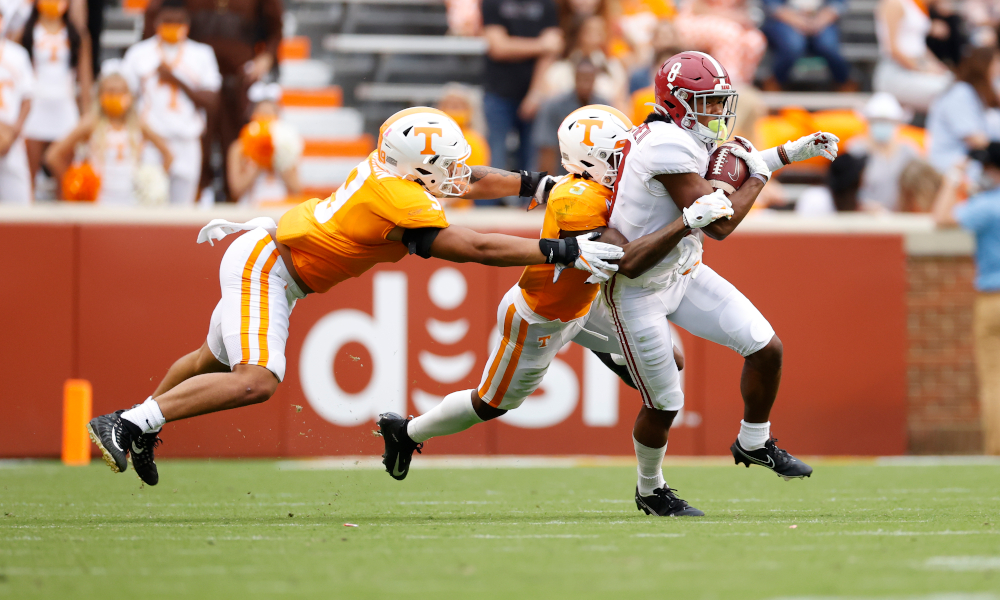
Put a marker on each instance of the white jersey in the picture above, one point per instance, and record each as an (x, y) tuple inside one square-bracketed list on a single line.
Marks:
[(116, 163), (267, 188), (17, 82), (640, 204), (166, 109), (54, 77)]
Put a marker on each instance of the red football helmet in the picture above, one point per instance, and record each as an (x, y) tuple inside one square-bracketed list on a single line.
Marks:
[(686, 85)]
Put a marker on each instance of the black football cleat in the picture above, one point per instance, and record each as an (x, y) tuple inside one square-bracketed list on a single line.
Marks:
[(113, 436), (772, 457), (398, 446), (620, 370), (143, 461), (665, 503)]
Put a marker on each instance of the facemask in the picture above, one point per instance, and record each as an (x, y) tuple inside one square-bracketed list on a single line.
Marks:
[(53, 9), (115, 105), (882, 131), (172, 33)]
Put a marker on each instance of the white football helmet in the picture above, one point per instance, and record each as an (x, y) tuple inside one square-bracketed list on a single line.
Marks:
[(425, 145), (591, 140)]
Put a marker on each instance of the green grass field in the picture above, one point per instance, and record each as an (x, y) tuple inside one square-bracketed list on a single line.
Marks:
[(241, 529)]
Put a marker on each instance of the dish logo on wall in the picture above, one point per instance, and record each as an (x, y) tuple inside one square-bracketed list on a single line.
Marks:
[(450, 363)]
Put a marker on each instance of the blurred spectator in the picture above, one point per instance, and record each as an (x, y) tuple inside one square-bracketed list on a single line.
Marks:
[(946, 37), (114, 135), (794, 27), (461, 104), (263, 162), (61, 60), (666, 43), (919, 184), (634, 35), (907, 69), (724, 29), (523, 40), (553, 112), (572, 14), (244, 35), (885, 155), (178, 80), (590, 44), (17, 84), (464, 17), (981, 13), (966, 116), (981, 216)]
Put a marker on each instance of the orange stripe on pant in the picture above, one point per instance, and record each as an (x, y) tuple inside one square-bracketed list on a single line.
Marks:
[(245, 297), (522, 332), (508, 320), (265, 275)]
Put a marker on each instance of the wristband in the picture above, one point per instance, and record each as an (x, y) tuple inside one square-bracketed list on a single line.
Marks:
[(529, 182), (759, 176), (563, 251), (783, 155)]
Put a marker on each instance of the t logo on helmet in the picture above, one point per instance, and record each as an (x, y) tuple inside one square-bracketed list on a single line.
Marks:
[(429, 133), (587, 125)]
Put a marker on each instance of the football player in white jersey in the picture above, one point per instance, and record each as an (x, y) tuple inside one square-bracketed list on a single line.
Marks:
[(662, 172)]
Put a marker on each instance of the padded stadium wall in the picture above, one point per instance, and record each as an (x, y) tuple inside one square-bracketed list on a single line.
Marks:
[(115, 298)]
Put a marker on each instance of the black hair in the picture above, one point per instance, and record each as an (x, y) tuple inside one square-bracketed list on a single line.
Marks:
[(989, 156), (28, 39), (656, 116), (174, 4)]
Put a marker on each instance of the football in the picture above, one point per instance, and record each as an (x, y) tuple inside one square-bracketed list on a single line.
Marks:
[(726, 171)]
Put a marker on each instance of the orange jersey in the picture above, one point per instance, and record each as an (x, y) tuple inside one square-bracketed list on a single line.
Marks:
[(576, 204), (343, 236)]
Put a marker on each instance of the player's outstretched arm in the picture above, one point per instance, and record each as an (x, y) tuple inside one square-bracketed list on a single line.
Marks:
[(488, 183), (460, 244)]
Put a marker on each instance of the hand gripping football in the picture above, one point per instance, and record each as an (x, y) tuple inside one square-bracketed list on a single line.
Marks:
[(725, 171)]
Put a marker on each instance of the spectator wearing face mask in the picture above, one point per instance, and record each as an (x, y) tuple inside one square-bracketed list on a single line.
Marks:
[(61, 61), (886, 155), (967, 116), (980, 215), (114, 136), (178, 81), (263, 163)]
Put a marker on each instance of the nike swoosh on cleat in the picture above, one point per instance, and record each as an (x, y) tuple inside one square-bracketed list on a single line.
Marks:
[(114, 440), (769, 464), (135, 450), (395, 467)]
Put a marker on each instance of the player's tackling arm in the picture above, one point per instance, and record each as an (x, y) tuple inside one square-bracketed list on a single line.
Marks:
[(487, 183), (686, 188)]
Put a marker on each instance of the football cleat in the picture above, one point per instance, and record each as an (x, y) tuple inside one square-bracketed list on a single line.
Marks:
[(113, 436), (665, 503), (143, 461), (620, 370), (772, 457), (398, 446)]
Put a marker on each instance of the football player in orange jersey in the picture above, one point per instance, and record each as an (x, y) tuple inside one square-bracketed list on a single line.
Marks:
[(544, 311), (388, 207)]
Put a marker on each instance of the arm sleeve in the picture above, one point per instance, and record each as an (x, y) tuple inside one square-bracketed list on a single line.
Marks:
[(491, 13), (772, 159), (978, 214)]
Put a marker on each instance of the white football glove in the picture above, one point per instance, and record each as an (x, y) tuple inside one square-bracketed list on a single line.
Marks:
[(592, 259), (545, 186), (707, 209), (755, 162), (815, 144)]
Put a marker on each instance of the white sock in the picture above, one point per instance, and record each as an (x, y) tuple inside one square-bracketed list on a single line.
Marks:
[(146, 416), (650, 467), (453, 414), (753, 435)]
